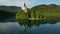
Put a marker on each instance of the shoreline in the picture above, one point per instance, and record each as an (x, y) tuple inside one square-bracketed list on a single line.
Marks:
[(36, 18), (32, 19)]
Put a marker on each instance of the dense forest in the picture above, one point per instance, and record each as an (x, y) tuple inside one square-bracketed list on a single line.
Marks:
[(8, 11), (5, 14), (41, 11)]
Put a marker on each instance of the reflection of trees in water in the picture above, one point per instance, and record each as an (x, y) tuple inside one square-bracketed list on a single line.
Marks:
[(6, 14), (30, 23), (26, 23)]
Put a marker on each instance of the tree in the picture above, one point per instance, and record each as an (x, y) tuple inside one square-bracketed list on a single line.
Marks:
[(21, 15)]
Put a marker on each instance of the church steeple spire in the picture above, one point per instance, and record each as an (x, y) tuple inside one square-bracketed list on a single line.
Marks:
[(24, 5)]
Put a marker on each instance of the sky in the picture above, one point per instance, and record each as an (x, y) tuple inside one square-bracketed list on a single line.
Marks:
[(29, 3)]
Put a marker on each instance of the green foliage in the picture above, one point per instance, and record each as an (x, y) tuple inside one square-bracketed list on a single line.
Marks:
[(33, 15), (40, 11), (21, 15)]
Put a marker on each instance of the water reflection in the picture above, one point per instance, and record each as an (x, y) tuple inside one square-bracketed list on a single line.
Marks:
[(8, 20), (30, 23), (11, 26)]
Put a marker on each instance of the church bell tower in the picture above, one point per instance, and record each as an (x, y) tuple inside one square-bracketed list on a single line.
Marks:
[(25, 8)]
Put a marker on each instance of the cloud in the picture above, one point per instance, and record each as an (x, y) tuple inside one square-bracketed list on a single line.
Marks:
[(8, 2), (16, 2), (2, 1), (29, 3)]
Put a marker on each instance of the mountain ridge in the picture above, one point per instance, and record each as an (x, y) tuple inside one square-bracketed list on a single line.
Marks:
[(10, 8)]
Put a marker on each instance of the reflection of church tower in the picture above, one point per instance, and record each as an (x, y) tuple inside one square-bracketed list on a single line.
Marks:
[(25, 8)]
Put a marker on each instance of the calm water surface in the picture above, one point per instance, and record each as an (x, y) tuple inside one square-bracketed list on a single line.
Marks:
[(11, 26)]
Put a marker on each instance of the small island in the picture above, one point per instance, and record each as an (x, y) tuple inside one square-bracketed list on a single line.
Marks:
[(39, 12)]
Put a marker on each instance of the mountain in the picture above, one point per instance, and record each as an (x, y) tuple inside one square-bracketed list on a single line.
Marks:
[(8, 11), (10, 8)]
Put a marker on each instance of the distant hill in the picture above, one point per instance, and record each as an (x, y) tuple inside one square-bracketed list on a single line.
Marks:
[(8, 11), (10, 8)]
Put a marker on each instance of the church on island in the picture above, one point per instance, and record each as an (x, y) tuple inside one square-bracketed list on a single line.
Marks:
[(26, 10)]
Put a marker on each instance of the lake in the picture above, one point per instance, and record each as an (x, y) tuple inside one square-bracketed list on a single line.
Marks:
[(13, 26)]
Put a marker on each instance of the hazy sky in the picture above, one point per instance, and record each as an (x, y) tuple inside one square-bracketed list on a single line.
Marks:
[(29, 3)]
